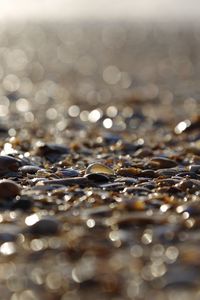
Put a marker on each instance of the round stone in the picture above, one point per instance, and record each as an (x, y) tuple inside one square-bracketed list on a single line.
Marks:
[(9, 189), (45, 226), (8, 164)]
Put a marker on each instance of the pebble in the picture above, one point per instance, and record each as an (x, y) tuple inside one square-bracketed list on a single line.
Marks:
[(190, 185), (127, 180), (9, 232), (167, 182), (29, 169), (22, 204), (81, 181), (148, 173), (114, 186), (8, 164), (143, 152), (149, 185), (194, 168), (162, 163), (166, 172), (187, 174), (128, 171), (99, 168), (137, 190), (45, 226), (9, 189), (97, 177), (69, 172), (51, 151)]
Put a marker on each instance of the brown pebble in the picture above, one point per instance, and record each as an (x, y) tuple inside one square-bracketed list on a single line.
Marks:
[(99, 168), (8, 189), (191, 185), (167, 182), (143, 153), (162, 163), (128, 172)]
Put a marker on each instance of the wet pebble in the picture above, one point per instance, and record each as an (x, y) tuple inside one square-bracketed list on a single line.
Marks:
[(99, 168), (188, 174), (8, 165), (137, 190), (148, 173), (51, 151), (113, 186), (167, 182), (127, 180), (97, 177), (166, 172), (162, 163), (9, 189), (129, 172), (194, 168), (149, 185), (143, 152), (29, 169), (8, 232), (69, 172), (22, 204), (111, 139), (81, 181), (45, 226), (190, 185)]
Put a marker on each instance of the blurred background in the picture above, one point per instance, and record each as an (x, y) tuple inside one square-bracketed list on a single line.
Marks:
[(98, 52)]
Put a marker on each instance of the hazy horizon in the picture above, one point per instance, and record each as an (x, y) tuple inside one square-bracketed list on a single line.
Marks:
[(69, 10)]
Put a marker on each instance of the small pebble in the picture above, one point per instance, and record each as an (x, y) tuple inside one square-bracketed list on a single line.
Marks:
[(99, 168), (67, 173), (97, 177), (9, 189), (162, 163), (194, 168), (45, 226), (8, 164), (51, 152), (29, 169), (128, 171), (22, 204)]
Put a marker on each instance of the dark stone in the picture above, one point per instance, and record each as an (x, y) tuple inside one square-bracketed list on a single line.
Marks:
[(45, 226)]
